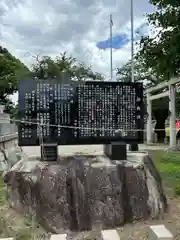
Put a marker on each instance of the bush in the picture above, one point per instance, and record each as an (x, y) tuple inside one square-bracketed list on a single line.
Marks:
[(177, 190)]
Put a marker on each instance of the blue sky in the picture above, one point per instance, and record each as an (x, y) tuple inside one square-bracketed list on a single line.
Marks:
[(118, 42), (122, 39)]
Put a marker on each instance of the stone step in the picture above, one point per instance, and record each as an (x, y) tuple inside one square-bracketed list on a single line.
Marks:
[(6, 238), (110, 235), (58, 237), (156, 232), (159, 232)]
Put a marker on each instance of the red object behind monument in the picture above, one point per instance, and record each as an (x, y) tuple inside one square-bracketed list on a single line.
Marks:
[(178, 124)]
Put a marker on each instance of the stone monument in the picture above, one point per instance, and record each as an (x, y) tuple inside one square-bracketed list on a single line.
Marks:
[(83, 192)]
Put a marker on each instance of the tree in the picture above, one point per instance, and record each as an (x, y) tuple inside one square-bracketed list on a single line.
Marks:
[(140, 73), (161, 53), (11, 69), (48, 67)]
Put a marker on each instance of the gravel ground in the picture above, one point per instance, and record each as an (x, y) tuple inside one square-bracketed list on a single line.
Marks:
[(13, 223), (171, 220), (139, 230), (87, 149)]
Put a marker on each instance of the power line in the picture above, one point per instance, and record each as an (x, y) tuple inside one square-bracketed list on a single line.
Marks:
[(73, 127)]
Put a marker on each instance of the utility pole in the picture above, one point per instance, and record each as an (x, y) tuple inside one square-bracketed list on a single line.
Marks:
[(111, 60), (132, 147), (132, 41)]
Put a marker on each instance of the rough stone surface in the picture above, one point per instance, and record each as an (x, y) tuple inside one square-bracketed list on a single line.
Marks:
[(83, 192), (9, 157)]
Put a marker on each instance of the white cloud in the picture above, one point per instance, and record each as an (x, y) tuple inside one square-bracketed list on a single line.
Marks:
[(50, 27)]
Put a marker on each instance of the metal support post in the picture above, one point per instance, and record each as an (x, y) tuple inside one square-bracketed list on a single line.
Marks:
[(172, 109), (149, 120)]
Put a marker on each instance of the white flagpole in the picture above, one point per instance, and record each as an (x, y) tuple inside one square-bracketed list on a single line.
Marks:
[(132, 147), (132, 42), (111, 63)]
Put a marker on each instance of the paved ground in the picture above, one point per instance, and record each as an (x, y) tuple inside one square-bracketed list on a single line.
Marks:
[(87, 149)]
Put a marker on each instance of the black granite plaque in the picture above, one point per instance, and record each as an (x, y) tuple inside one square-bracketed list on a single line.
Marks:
[(105, 107), (79, 113)]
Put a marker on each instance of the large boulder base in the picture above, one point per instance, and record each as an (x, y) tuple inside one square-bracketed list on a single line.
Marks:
[(82, 192)]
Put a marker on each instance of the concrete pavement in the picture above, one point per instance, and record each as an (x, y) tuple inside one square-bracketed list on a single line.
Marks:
[(86, 149)]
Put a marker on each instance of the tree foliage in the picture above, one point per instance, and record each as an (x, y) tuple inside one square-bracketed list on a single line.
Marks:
[(48, 67), (162, 52), (140, 73), (11, 69)]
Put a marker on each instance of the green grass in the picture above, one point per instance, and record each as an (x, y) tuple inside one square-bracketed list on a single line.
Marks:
[(168, 164)]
